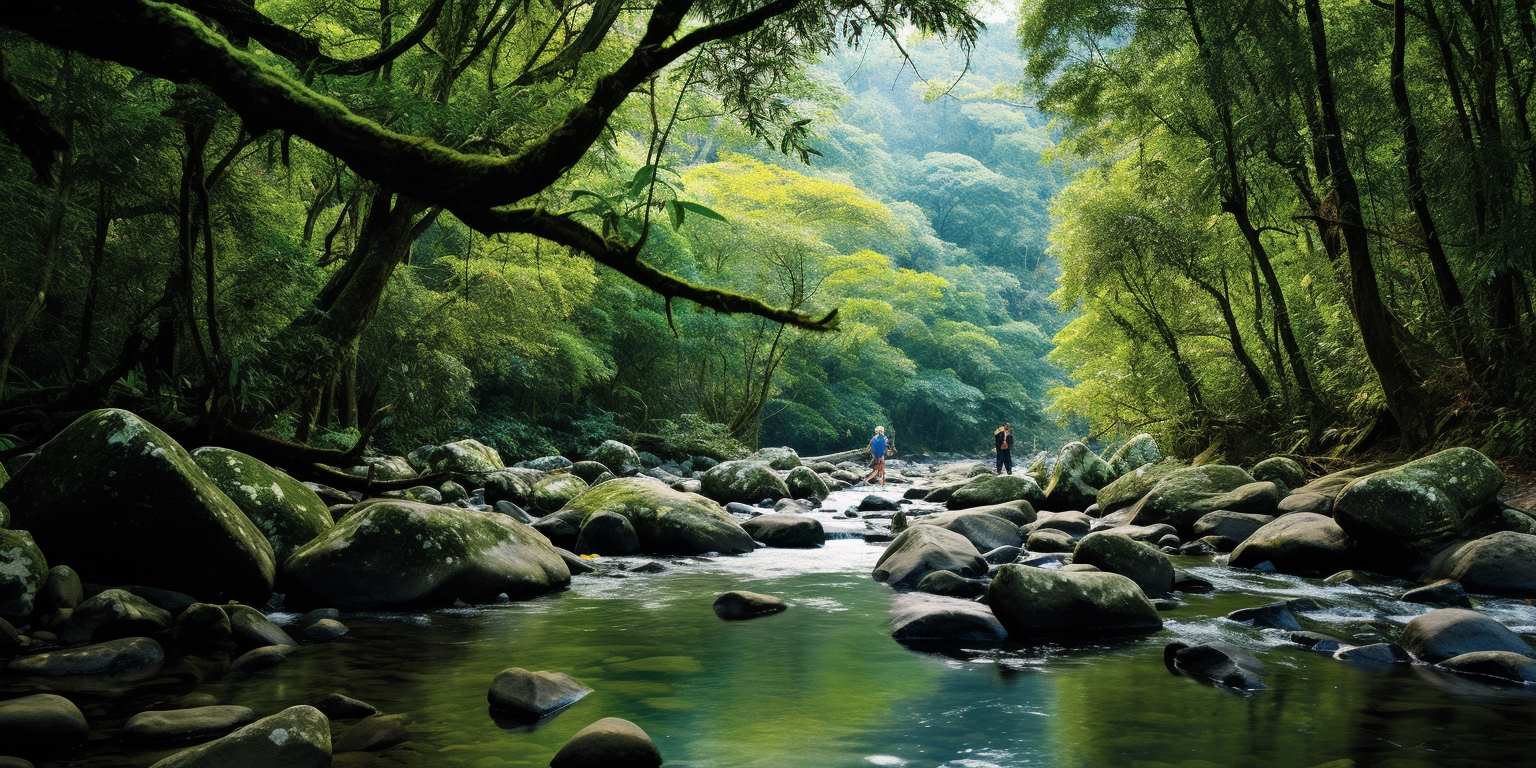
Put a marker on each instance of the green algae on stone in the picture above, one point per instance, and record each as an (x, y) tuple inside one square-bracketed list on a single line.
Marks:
[(23, 570), (1401, 516), (123, 503), (285, 510), (668, 522)]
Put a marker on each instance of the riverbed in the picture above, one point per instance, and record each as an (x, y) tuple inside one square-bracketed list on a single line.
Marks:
[(823, 684)]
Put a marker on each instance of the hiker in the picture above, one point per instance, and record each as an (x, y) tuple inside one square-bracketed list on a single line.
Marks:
[(877, 447), (1003, 441)]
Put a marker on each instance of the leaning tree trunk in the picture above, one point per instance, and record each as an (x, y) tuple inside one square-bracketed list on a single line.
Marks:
[(1399, 383)]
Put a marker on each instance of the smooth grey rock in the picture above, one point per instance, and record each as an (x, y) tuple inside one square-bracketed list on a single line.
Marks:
[(608, 743), (739, 604), (524, 695)]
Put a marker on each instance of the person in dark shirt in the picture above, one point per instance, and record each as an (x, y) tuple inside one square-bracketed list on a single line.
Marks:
[(877, 448), (1003, 442)]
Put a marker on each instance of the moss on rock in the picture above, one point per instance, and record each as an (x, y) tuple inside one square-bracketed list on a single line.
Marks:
[(668, 522), (285, 510)]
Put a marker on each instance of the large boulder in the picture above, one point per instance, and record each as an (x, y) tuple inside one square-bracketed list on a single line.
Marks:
[(297, 737), (608, 743), (114, 613), (1305, 544), (399, 553), (668, 522), (1237, 526), (285, 510), (1076, 478), (804, 483), (1449, 632), (1499, 666), (779, 458), (552, 492), (620, 459), (987, 490), (744, 480), (1283, 471), (42, 721), (607, 533), (1185, 495), (786, 530), (513, 485), (1039, 604), (921, 549), (1400, 517), (930, 620), (1141, 563), (460, 457), (984, 530), (125, 504), (1501, 563), (1130, 487), (23, 571), (385, 468), (1138, 451)]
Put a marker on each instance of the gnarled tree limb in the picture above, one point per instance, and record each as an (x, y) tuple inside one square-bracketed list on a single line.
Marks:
[(243, 20)]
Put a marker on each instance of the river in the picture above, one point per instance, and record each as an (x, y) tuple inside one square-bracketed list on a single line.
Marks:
[(823, 684)]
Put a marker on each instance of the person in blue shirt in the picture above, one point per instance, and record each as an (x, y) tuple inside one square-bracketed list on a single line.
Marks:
[(877, 448)]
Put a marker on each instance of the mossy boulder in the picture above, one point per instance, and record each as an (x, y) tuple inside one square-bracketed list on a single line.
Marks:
[(620, 459), (23, 571), (467, 457), (922, 549), (1283, 471), (1185, 495), (285, 510), (125, 504), (551, 492), (743, 480), (1304, 543), (804, 483), (1138, 451), (787, 531), (385, 468), (1400, 517), (1076, 478), (297, 737), (514, 485), (1129, 488), (779, 458), (402, 553), (985, 531), (667, 522), (1038, 604), (987, 490), (1139, 562)]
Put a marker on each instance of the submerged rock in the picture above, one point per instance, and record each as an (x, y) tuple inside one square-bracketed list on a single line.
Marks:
[(743, 480), (1304, 544), (1374, 654), (1114, 553), (667, 522), (951, 584), (297, 737), (1216, 664), (125, 504), (524, 695), (1502, 666), (1447, 632), (608, 743), (286, 511), (922, 549), (339, 706), (400, 553), (740, 604), (1400, 517), (1270, 615), (1443, 593), (927, 620), (1035, 604)]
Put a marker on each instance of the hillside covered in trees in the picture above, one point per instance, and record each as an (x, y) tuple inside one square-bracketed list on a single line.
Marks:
[(243, 258)]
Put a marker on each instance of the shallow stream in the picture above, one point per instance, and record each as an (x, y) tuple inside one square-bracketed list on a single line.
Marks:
[(823, 684)]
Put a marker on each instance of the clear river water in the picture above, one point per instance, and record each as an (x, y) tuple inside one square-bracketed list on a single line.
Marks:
[(823, 684)]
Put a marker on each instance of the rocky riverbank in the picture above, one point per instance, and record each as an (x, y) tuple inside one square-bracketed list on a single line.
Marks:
[(127, 556)]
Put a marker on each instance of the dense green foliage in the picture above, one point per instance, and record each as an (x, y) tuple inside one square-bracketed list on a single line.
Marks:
[(171, 253), (1274, 244)]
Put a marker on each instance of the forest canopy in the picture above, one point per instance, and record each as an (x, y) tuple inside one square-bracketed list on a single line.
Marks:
[(293, 224)]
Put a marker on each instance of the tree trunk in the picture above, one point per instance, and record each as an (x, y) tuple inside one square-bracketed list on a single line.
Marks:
[(93, 281), (1399, 383), (1235, 336)]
